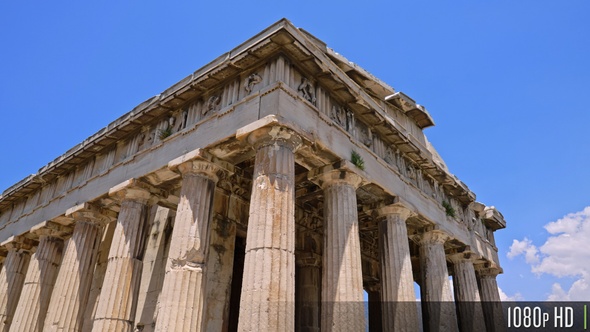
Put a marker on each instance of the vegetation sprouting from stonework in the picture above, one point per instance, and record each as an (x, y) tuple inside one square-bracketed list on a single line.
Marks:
[(449, 210), (357, 160), (163, 133)]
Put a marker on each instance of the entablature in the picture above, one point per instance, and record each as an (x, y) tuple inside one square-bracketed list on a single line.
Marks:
[(278, 58)]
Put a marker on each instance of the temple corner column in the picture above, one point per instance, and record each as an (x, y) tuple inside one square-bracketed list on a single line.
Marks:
[(267, 301)]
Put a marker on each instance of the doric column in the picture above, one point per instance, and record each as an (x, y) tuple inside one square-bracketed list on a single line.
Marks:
[(375, 307), (438, 308), (12, 277), (342, 277), (70, 294), (116, 306), (469, 311), (183, 293), (267, 300), (490, 298), (32, 306), (308, 294), (220, 265), (399, 309)]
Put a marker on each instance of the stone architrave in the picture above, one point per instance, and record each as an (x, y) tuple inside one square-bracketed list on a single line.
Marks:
[(438, 307), (70, 294), (399, 309), (118, 297), (267, 300), (12, 278), (467, 300), (490, 298), (32, 307), (182, 298), (342, 277)]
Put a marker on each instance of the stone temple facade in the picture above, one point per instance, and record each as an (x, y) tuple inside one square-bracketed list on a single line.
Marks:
[(263, 192)]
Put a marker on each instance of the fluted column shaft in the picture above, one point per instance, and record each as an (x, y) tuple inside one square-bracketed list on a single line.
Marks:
[(267, 300), (181, 303), (467, 300), (70, 294), (116, 306), (342, 278), (397, 280), (438, 308), (490, 297), (32, 306), (375, 307), (308, 279), (12, 278)]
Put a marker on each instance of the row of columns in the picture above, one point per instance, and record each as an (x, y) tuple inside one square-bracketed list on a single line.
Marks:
[(56, 300)]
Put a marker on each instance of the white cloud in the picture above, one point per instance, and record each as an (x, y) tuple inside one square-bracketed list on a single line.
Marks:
[(564, 254), (557, 293), (506, 298), (579, 291), (525, 247)]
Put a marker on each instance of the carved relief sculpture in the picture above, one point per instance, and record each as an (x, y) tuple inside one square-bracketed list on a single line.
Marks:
[(307, 90), (251, 81), (364, 135), (389, 156), (339, 116), (212, 104)]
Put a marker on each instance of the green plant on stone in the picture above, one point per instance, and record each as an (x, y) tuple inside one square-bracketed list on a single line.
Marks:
[(449, 210), (357, 160), (163, 133)]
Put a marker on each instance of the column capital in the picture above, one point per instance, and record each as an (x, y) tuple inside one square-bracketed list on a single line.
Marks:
[(200, 162), (395, 207), (373, 286), (133, 190), (433, 237), (88, 212), (484, 271), (465, 255), (19, 243), (279, 135), (308, 259), (273, 129), (51, 229), (341, 172)]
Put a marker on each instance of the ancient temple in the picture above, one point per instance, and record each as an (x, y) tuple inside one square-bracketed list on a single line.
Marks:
[(267, 191)]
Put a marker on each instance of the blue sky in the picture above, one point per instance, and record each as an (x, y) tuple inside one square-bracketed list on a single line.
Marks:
[(504, 81)]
